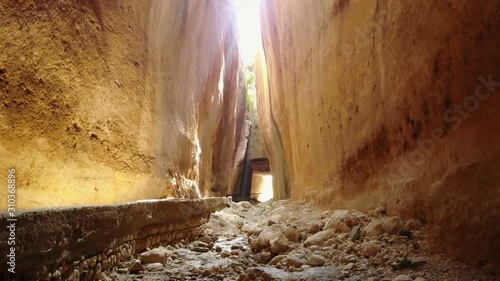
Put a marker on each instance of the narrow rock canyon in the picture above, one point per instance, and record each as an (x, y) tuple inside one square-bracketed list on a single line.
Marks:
[(250, 140)]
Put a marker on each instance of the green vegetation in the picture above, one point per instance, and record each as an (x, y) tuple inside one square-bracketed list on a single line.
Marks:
[(251, 96)]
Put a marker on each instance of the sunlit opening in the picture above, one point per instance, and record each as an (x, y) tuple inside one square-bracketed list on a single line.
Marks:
[(267, 192), (262, 186), (248, 19)]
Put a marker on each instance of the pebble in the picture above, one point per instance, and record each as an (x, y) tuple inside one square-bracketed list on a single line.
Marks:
[(376, 260), (369, 249), (402, 278), (293, 261), (264, 257), (392, 225), (277, 259), (292, 249), (153, 256), (200, 244), (154, 266), (225, 254), (136, 267), (122, 270), (200, 249), (355, 233), (316, 260)]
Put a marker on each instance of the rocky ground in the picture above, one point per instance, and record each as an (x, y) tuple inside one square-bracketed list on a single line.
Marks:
[(296, 241)]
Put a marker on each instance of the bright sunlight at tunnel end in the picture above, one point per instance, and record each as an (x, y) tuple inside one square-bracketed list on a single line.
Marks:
[(248, 19)]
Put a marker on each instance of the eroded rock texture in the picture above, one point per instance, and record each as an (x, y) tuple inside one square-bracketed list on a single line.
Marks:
[(374, 102), (113, 101)]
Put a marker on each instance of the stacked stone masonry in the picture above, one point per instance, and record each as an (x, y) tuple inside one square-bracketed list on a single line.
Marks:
[(80, 243)]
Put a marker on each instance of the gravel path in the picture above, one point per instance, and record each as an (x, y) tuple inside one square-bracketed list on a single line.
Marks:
[(296, 241)]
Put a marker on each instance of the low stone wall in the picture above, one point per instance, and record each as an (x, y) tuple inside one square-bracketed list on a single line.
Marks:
[(79, 243)]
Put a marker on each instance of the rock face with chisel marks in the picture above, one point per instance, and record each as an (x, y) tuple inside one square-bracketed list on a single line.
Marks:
[(368, 103)]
